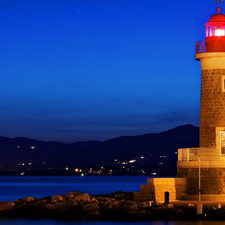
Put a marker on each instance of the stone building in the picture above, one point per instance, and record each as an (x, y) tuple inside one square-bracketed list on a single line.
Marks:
[(208, 161)]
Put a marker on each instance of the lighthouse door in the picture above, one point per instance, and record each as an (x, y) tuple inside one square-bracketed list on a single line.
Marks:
[(222, 141)]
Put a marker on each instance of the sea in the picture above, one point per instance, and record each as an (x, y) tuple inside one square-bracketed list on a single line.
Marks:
[(12, 188)]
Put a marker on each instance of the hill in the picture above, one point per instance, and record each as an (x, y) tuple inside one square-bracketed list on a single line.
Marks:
[(148, 150)]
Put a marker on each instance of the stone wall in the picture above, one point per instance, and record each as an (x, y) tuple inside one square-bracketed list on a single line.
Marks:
[(155, 189), (212, 106), (212, 180)]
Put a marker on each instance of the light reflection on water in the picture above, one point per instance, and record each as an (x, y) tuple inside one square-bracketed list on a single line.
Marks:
[(59, 222)]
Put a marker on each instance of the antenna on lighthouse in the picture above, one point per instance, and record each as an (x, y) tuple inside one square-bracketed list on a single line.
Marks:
[(218, 2)]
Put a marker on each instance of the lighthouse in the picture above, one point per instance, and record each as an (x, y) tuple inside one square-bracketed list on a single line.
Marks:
[(211, 54), (201, 170), (204, 167)]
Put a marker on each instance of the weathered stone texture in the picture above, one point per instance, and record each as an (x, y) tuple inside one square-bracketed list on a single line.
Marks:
[(155, 189), (212, 106), (212, 180)]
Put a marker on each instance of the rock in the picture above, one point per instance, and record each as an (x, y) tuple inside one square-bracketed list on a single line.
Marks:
[(119, 196), (129, 196), (144, 204), (128, 205), (6, 205), (73, 213), (95, 215), (90, 207), (116, 203), (82, 197), (59, 204), (66, 196), (43, 201), (136, 213), (106, 205), (47, 197), (103, 199), (28, 199), (169, 205), (67, 205), (57, 198), (49, 206), (94, 200), (155, 203), (75, 193)]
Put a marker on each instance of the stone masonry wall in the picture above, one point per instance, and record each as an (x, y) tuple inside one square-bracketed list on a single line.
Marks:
[(212, 106), (155, 189), (212, 180)]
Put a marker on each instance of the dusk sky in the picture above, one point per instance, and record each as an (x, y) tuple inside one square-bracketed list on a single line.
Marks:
[(76, 70)]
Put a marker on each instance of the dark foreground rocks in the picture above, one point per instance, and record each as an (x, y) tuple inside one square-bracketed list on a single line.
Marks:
[(115, 206)]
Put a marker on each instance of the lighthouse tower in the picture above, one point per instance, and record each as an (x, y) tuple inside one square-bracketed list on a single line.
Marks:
[(201, 171), (204, 167), (211, 54)]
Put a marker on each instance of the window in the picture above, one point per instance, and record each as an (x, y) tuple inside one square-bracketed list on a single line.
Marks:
[(223, 83)]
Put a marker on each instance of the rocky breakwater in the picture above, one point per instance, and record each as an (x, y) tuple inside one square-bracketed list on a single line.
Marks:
[(81, 206)]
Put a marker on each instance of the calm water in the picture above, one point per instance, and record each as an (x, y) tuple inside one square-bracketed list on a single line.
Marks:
[(53, 222), (12, 188)]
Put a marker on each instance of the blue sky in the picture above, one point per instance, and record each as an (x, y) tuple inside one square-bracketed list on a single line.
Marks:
[(96, 69)]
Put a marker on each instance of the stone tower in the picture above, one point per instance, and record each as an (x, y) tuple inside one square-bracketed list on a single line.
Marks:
[(205, 166), (212, 103), (201, 171)]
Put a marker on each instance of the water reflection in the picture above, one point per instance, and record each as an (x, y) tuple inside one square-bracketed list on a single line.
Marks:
[(59, 222)]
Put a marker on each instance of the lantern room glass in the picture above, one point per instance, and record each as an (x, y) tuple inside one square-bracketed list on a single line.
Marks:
[(215, 29)]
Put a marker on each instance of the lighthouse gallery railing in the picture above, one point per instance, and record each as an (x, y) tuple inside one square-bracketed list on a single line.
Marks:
[(206, 154), (200, 47)]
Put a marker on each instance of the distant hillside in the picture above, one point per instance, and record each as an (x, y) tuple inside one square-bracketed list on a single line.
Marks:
[(14, 151)]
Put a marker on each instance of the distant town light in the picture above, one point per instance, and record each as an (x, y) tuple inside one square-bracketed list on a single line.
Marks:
[(153, 174), (90, 169), (22, 173), (115, 160), (132, 161), (23, 164), (80, 170), (67, 168), (176, 153), (18, 146), (142, 157), (32, 147), (82, 174), (30, 164), (19, 164), (44, 162), (102, 167), (76, 170)]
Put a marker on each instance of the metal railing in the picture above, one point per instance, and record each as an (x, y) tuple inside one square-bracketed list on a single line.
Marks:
[(206, 154), (200, 47)]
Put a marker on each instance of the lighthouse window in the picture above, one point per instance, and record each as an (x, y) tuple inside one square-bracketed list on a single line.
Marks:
[(223, 83)]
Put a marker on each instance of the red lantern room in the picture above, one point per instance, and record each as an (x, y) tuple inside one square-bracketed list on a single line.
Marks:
[(215, 35)]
